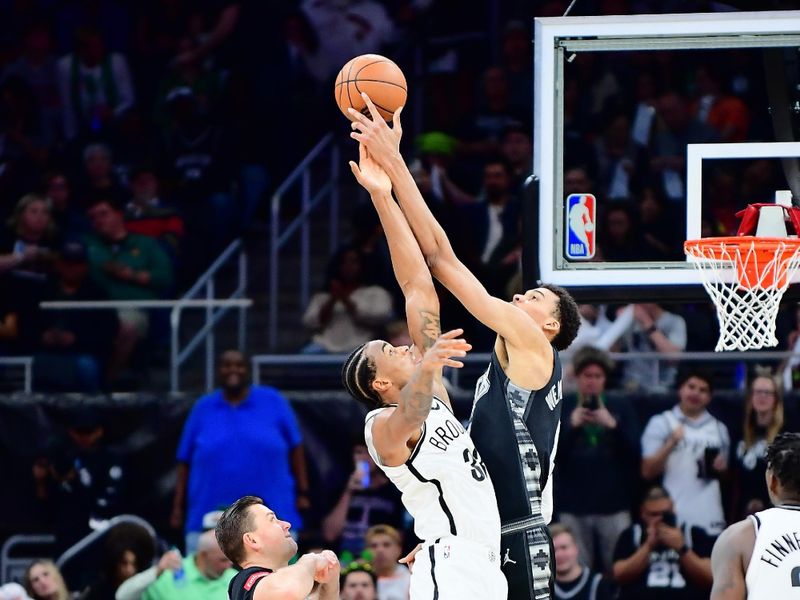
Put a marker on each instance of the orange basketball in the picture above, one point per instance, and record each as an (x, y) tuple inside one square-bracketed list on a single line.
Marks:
[(379, 77)]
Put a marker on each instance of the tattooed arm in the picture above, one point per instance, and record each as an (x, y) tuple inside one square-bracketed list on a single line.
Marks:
[(729, 561), (410, 270), (393, 429)]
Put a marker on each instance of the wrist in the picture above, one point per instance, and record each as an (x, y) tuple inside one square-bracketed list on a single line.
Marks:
[(651, 329), (683, 549)]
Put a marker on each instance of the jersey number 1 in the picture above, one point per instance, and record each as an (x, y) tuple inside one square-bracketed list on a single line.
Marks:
[(478, 468)]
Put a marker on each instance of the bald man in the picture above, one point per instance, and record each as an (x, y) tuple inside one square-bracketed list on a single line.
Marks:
[(203, 575)]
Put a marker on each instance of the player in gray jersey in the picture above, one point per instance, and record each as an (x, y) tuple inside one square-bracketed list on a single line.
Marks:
[(517, 408), (759, 558), (412, 434)]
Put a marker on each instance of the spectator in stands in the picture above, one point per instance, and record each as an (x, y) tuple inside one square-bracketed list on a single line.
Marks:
[(26, 142), (348, 312), (651, 328), (358, 582), (644, 112), (146, 213), (763, 420), (573, 579), (95, 86), (133, 587), (81, 482), (203, 575), (129, 549), (74, 343), (515, 49), (689, 448), (368, 499), (386, 545), (620, 237), (727, 114), (43, 581), (99, 179), (517, 150), (599, 450), (28, 249), (37, 67), (658, 225), (68, 219), (659, 557), (577, 181), (619, 162), (676, 128), (198, 162), (126, 266), (257, 424)]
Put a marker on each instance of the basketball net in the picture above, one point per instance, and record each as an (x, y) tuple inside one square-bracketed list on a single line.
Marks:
[(747, 275)]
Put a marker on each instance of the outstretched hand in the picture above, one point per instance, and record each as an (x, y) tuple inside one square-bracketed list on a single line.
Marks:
[(370, 174), (447, 346), (382, 142)]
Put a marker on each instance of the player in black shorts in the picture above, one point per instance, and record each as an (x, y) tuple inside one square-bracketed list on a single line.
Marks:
[(259, 544), (516, 413)]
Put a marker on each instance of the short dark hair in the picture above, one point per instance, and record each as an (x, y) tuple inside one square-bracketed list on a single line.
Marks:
[(589, 355), (113, 204), (783, 457), (686, 374), (358, 567), (656, 492), (568, 316), (233, 524), (358, 373)]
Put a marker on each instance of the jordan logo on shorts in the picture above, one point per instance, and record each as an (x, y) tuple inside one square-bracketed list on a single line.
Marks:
[(507, 559)]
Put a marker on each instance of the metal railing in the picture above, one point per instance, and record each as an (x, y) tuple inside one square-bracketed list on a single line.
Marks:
[(26, 362), (215, 309), (13, 567), (206, 332), (280, 236)]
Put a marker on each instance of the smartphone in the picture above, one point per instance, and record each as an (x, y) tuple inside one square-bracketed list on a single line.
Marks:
[(592, 402), (363, 467), (709, 456), (668, 518)]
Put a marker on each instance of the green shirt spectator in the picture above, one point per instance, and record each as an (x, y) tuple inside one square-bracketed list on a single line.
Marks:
[(205, 575), (127, 266)]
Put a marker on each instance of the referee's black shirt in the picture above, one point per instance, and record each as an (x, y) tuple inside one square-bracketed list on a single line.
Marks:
[(243, 586)]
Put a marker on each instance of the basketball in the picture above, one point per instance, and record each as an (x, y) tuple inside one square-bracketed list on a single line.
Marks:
[(379, 77)]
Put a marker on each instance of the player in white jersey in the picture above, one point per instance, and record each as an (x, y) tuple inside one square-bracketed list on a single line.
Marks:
[(759, 558), (411, 431)]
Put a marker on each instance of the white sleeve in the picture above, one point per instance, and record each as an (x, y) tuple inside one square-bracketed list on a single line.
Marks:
[(655, 435), (124, 81), (677, 332), (311, 316), (134, 587), (374, 305)]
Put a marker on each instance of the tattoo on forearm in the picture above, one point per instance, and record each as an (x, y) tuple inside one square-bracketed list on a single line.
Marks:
[(419, 395), (431, 328)]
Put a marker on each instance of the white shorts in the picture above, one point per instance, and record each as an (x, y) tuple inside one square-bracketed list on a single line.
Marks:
[(457, 569)]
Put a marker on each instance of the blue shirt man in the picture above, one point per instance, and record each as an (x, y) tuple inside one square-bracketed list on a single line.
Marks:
[(239, 440)]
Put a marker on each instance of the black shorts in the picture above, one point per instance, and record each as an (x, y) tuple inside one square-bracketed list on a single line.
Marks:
[(528, 562)]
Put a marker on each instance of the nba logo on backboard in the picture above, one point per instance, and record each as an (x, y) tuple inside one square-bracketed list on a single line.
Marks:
[(580, 228)]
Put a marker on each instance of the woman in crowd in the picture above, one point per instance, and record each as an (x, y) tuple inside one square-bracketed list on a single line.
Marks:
[(43, 581), (763, 420)]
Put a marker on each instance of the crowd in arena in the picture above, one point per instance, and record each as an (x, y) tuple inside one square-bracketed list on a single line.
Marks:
[(138, 138)]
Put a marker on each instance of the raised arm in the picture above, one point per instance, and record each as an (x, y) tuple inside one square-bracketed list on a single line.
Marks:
[(383, 144), (422, 303), (392, 430)]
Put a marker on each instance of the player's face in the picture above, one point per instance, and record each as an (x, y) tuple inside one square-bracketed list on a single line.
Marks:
[(591, 381), (271, 534), (385, 552), (694, 395), (566, 552), (392, 363), (763, 395), (539, 303), (358, 586)]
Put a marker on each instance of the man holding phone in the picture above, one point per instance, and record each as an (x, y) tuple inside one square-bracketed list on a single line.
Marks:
[(368, 499), (659, 558), (689, 447), (599, 451)]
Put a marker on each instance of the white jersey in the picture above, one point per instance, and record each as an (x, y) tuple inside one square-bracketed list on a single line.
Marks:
[(444, 483), (774, 569)]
